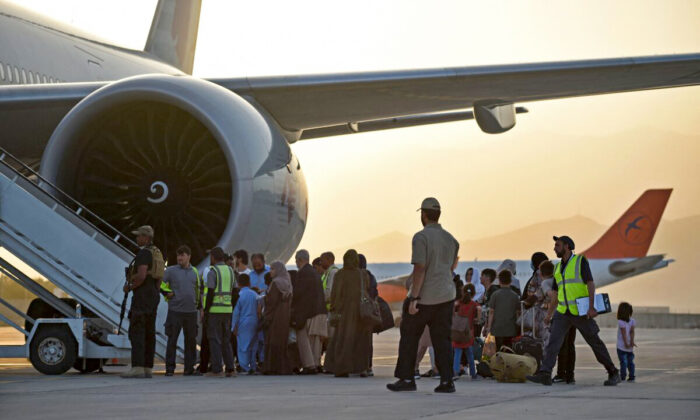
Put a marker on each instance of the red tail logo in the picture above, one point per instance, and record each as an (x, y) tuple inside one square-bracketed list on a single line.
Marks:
[(631, 235)]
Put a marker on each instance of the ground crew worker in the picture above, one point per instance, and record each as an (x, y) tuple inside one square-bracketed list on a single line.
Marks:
[(219, 308), (430, 301), (181, 289), (144, 280), (329, 267), (573, 280)]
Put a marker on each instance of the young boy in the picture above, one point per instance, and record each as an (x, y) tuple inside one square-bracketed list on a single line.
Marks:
[(625, 340), (504, 305)]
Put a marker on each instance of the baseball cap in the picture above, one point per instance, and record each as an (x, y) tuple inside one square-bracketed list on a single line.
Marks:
[(430, 203), (566, 240), (143, 230)]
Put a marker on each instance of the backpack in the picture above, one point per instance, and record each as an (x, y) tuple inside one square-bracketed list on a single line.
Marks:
[(461, 328), (157, 270)]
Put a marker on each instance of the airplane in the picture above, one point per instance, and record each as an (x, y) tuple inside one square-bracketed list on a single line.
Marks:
[(137, 140), (619, 254)]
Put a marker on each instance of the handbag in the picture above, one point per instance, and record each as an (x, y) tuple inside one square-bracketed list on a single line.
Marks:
[(387, 317), (369, 309)]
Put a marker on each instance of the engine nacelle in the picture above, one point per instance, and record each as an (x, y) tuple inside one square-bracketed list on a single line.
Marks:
[(188, 157)]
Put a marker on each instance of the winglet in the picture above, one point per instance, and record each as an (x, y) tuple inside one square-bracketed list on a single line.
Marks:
[(173, 35), (631, 235)]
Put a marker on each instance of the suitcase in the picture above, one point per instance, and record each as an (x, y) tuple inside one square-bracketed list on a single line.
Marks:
[(527, 345), (507, 366)]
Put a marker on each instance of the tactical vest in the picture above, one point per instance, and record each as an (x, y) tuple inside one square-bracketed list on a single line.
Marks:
[(222, 295), (571, 285)]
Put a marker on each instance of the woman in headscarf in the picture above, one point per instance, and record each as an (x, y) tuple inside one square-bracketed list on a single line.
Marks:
[(348, 351), (276, 318)]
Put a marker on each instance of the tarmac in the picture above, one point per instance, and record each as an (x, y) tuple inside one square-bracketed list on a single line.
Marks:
[(668, 380)]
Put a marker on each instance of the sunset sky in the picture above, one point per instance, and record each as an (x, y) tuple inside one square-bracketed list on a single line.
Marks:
[(590, 156)]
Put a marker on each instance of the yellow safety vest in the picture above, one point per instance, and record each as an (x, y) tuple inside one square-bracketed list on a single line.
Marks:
[(222, 295), (570, 285)]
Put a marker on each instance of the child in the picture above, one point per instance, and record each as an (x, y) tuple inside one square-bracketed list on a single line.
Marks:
[(466, 307), (625, 340)]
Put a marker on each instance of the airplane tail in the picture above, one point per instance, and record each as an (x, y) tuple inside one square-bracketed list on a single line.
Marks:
[(631, 235), (173, 34)]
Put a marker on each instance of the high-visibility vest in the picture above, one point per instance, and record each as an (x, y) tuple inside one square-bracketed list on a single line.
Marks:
[(570, 285), (324, 280), (222, 294)]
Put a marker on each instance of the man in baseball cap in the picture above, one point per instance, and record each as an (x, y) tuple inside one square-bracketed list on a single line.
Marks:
[(430, 203), (566, 240), (430, 300), (144, 230)]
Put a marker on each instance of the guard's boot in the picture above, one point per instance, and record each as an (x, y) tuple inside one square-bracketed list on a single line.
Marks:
[(148, 372), (135, 372)]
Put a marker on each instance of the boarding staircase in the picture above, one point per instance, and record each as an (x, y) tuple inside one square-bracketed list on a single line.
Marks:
[(69, 245)]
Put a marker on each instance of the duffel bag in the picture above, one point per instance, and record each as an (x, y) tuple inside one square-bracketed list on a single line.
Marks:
[(530, 346), (509, 367), (387, 316)]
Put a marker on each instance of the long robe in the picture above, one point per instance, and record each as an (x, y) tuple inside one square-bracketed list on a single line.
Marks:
[(245, 322), (348, 350), (277, 316)]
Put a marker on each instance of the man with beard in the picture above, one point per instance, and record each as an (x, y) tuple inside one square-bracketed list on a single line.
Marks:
[(573, 280)]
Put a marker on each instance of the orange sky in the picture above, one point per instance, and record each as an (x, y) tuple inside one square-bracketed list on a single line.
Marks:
[(616, 145)]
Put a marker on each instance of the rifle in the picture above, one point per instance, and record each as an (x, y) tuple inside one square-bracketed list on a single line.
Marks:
[(127, 272)]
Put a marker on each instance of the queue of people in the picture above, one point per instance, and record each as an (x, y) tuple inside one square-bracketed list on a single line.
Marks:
[(281, 322), (259, 320)]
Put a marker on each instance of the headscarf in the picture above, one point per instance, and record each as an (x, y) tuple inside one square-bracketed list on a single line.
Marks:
[(507, 265), (282, 279), (351, 260), (476, 281)]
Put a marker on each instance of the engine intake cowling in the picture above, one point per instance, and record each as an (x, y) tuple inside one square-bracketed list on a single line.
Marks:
[(175, 152)]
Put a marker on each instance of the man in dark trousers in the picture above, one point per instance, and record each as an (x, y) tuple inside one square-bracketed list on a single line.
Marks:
[(181, 289), (219, 310), (144, 305), (573, 280), (429, 302)]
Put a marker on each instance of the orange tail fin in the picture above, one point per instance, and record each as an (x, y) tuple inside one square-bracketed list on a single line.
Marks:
[(631, 235)]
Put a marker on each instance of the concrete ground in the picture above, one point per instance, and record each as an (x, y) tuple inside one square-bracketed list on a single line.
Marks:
[(668, 381)]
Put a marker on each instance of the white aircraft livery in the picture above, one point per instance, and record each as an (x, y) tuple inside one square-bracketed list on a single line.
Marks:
[(138, 140)]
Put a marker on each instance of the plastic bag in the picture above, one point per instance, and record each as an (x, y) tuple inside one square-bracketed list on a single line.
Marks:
[(489, 348)]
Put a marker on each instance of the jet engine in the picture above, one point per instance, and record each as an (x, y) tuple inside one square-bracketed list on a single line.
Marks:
[(197, 162)]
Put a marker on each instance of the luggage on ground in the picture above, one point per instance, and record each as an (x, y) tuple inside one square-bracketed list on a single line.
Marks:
[(507, 366)]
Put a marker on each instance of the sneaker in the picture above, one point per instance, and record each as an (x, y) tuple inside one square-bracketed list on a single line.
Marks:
[(169, 373), (613, 378), (370, 373), (543, 378), (428, 374), (231, 374), (631, 379), (558, 379), (416, 375), (446, 387), (571, 381), (135, 372), (307, 371), (402, 385)]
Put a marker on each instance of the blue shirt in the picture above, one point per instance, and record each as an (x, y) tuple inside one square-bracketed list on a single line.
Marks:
[(246, 311), (258, 280)]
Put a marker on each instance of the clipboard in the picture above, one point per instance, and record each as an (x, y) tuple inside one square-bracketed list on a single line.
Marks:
[(601, 304)]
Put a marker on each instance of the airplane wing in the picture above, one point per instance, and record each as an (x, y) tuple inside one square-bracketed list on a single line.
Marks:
[(322, 105)]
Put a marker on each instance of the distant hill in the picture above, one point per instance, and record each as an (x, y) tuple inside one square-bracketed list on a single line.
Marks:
[(677, 286)]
